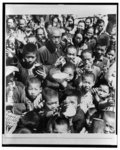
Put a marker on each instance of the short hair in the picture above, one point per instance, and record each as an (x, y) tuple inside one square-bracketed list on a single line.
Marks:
[(33, 79), (39, 29), (90, 74), (30, 120), (110, 114), (60, 120), (70, 47), (71, 92), (48, 93), (68, 65), (81, 21), (100, 21), (22, 131), (87, 51), (103, 40), (29, 48)]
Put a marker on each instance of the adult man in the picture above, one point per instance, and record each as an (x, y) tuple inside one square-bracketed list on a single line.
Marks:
[(49, 53)]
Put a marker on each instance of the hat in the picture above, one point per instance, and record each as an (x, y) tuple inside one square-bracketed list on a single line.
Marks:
[(10, 69)]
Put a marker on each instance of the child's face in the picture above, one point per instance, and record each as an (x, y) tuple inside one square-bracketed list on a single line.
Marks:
[(101, 26), (101, 50), (71, 54), (30, 58), (63, 128), (34, 90), (89, 33), (71, 100), (78, 38), (81, 25), (40, 34), (87, 83), (52, 103), (70, 73), (109, 125), (111, 55), (87, 59), (103, 91)]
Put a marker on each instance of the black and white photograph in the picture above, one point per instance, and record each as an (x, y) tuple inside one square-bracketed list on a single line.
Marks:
[(60, 74)]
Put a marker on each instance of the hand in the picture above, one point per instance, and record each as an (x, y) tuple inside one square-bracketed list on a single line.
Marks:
[(10, 53), (111, 102), (42, 73), (64, 84), (38, 103), (60, 60)]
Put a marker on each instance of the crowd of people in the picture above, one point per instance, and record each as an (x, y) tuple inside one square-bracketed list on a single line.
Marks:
[(60, 74)]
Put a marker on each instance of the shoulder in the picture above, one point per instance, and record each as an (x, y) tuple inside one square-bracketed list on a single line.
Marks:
[(42, 49)]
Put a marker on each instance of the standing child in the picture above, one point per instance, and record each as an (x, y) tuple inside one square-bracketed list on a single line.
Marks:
[(86, 98)]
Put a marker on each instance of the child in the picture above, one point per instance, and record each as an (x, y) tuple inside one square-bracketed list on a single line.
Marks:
[(50, 108), (86, 99), (59, 124), (88, 63), (28, 123), (103, 99), (71, 110), (33, 93), (28, 62), (15, 92), (109, 118)]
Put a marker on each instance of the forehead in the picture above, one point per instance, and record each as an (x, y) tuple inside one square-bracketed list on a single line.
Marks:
[(79, 35), (56, 33), (52, 99), (72, 50), (69, 70), (30, 54), (90, 30), (111, 52), (101, 47), (109, 120), (105, 87), (10, 20), (35, 84), (22, 21), (69, 98), (87, 55), (39, 31), (88, 78)]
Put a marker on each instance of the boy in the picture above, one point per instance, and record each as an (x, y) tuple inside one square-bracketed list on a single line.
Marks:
[(109, 118), (103, 99), (86, 99), (71, 110), (28, 63), (59, 124), (33, 93), (50, 108)]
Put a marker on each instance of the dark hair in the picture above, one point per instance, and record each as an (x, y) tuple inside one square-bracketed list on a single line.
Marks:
[(29, 48), (49, 93), (60, 120), (87, 51), (39, 29), (71, 92), (30, 121), (33, 79), (100, 21), (90, 74), (68, 65), (104, 40), (89, 19), (81, 21), (78, 32), (70, 47)]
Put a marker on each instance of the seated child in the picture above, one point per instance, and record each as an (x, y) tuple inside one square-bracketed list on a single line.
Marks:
[(103, 98), (59, 124), (71, 110), (34, 94), (109, 118), (15, 92), (86, 98)]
